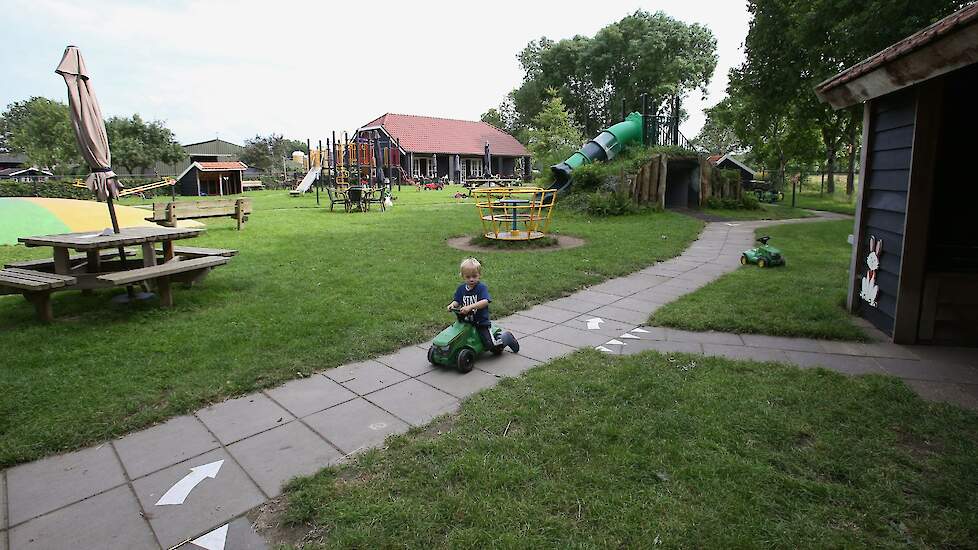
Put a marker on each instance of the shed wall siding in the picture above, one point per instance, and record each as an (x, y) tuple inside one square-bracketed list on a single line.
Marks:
[(885, 198)]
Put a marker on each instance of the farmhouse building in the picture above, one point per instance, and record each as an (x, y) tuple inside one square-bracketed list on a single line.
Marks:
[(440, 147)]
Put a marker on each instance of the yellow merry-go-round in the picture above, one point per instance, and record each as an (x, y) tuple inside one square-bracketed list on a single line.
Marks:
[(515, 213)]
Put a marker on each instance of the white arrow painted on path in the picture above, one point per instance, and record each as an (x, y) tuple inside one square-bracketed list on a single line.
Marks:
[(629, 336), (615, 343), (178, 493), (640, 330), (214, 540), (604, 349), (594, 323)]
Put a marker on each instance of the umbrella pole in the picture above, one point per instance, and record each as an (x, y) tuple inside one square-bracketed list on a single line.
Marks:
[(122, 250)]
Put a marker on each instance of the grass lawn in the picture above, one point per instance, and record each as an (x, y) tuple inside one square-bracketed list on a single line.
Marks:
[(802, 298), (832, 203), (675, 451), (310, 290), (765, 212)]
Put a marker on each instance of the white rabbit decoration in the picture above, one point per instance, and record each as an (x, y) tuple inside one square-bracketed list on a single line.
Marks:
[(870, 289)]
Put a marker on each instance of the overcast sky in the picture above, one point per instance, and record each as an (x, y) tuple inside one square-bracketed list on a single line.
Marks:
[(304, 69)]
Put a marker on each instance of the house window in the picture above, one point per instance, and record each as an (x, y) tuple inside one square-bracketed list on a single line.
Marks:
[(425, 166), (475, 168)]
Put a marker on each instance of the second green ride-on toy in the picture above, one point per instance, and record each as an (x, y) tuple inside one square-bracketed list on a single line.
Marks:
[(764, 255), (459, 345)]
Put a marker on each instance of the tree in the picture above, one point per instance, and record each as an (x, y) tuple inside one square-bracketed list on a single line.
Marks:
[(642, 53), (553, 135), (506, 119), (41, 129), (137, 145), (718, 135), (266, 152), (792, 45)]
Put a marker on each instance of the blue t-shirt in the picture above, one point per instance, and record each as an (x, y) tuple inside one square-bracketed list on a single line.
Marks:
[(467, 296)]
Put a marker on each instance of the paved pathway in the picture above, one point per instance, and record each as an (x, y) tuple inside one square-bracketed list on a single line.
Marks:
[(106, 496)]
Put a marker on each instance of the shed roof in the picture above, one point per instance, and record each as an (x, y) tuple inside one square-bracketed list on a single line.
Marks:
[(422, 134), (220, 166), (718, 159), (11, 172), (940, 48)]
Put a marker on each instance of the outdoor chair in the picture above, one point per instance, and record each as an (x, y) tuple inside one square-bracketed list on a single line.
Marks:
[(337, 196)]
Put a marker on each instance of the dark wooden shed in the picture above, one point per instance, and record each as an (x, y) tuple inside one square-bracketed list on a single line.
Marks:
[(914, 267)]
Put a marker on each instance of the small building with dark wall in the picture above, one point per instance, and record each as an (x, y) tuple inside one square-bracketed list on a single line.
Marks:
[(34, 175), (211, 178), (433, 147), (914, 267), (728, 162)]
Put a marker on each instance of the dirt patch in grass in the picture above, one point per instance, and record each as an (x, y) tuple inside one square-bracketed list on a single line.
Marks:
[(548, 244)]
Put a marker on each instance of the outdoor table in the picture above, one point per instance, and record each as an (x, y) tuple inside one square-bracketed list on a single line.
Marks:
[(361, 195), (91, 243), (472, 183), (514, 202)]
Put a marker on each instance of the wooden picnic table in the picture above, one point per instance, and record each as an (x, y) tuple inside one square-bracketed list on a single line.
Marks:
[(37, 279), (472, 183)]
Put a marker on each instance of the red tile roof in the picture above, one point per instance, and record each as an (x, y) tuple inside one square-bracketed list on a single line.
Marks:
[(223, 165), (422, 134), (909, 44), (714, 158)]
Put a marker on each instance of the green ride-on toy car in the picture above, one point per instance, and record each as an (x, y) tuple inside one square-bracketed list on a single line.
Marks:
[(459, 345), (764, 255)]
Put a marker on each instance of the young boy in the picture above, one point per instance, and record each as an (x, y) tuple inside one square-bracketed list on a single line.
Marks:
[(473, 296)]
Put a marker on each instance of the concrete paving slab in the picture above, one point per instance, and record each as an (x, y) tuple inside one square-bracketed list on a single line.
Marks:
[(745, 353), (608, 288), (706, 337), (549, 314), (595, 297), (164, 445), (460, 385), (607, 327), (365, 376), (846, 364), (572, 304), (242, 417), (414, 402), (663, 346), (412, 361), (621, 314), (211, 503), (571, 336), (108, 521), (782, 343), (240, 536), (644, 307), (660, 294), (945, 392), (272, 458), (526, 325), (948, 354), (508, 364), (938, 371), (626, 286), (305, 396), (39, 487), (541, 349), (355, 425)]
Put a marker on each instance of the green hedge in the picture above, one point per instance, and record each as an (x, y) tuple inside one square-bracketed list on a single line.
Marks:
[(51, 189)]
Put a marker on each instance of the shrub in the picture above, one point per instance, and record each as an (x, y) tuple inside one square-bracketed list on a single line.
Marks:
[(50, 189), (600, 203), (745, 202)]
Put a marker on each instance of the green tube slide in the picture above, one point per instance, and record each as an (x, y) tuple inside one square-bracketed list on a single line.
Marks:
[(604, 147)]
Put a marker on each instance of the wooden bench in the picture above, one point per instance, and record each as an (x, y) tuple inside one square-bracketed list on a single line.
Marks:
[(47, 264), (168, 213), (198, 252), (252, 184), (190, 271), (36, 287)]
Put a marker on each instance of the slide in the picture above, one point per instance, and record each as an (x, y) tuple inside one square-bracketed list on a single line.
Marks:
[(306, 182), (604, 147)]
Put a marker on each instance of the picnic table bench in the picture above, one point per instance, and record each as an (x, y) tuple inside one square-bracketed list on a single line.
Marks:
[(36, 287), (37, 279), (252, 184), (167, 213)]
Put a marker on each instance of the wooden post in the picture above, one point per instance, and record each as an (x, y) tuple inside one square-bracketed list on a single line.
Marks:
[(61, 265), (167, 251), (166, 295), (42, 305), (171, 215), (239, 210), (149, 254)]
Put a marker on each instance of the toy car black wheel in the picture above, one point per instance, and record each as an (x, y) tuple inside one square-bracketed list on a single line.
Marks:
[(497, 349), (510, 340), (465, 360), (761, 262), (743, 260), (431, 355)]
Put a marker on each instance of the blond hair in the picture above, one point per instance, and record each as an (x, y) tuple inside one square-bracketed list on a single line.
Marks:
[(469, 265)]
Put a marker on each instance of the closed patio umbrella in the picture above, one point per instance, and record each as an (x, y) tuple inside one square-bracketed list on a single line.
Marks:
[(86, 118), (488, 161), (93, 142)]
